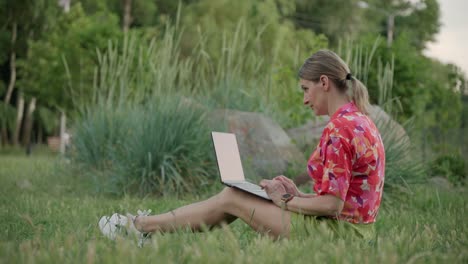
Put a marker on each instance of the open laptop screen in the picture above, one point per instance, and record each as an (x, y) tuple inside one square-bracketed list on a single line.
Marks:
[(227, 154)]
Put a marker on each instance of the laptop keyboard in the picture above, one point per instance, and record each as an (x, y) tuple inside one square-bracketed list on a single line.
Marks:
[(247, 185)]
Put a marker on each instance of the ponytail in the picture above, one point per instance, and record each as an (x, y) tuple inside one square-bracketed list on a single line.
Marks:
[(357, 92)]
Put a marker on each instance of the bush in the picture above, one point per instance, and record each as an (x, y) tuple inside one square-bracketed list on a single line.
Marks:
[(138, 134), (161, 147), (451, 166)]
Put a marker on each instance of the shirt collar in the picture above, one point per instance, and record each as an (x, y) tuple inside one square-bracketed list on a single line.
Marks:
[(347, 108)]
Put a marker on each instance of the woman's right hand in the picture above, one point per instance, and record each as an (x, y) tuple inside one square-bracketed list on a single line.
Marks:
[(289, 185)]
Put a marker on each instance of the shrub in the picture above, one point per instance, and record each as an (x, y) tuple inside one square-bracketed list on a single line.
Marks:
[(161, 147), (451, 166), (138, 134)]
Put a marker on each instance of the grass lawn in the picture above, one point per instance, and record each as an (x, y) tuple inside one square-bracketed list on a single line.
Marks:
[(49, 215)]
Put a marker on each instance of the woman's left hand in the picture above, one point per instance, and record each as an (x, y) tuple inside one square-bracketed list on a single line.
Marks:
[(274, 189)]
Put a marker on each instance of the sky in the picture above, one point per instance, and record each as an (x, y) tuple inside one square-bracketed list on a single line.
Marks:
[(451, 43)]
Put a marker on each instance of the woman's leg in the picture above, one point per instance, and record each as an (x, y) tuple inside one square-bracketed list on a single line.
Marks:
[(225, 207)]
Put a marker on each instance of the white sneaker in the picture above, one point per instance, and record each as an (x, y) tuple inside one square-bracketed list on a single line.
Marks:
[(119, 224), (108, 229), (113, 226)]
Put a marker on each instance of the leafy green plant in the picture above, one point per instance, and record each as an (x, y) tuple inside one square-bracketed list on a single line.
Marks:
[(161, 147), (453, 167)]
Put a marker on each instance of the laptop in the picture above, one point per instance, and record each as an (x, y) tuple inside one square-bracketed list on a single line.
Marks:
[(230, 166)]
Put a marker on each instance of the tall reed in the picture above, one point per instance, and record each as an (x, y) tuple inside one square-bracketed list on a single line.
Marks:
[(138, 133)]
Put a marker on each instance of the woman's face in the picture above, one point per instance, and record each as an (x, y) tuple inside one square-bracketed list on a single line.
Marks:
[(315, 95)]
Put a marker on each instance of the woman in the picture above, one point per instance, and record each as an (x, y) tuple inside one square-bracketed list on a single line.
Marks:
[(347, 168)]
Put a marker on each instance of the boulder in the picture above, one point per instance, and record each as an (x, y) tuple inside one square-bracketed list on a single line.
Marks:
[(266, 150), (24, 184), (307, 136), (441, 183)]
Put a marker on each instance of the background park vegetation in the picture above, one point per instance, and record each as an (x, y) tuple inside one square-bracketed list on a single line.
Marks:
[(83, 58), (137, 80)]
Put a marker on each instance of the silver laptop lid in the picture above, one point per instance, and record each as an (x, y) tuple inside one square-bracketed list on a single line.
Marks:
[(227, 154)]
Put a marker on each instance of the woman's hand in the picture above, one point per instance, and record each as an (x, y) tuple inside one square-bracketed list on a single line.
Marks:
[(289, 185), (274, 189)]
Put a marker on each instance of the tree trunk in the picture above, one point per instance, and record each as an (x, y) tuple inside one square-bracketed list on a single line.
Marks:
[(63, 137), (127, 15), (4, 134), (390, 29), (39, 135), (28, 122), (19, 119), (11, 85)]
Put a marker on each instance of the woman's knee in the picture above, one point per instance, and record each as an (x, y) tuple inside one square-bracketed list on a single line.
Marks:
[(229, 196)]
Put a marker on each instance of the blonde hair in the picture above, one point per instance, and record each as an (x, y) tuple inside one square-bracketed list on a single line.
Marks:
[(326, 62)]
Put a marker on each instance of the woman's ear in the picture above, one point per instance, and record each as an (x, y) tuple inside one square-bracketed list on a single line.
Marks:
[(325, 82)]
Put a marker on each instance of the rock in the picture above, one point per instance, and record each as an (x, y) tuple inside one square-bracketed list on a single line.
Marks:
[(266, 150), (307, 136), (441, 182), (24, 185)]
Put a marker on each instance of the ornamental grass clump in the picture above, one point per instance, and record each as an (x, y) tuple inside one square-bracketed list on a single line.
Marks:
[(161, 147), (138, 133)]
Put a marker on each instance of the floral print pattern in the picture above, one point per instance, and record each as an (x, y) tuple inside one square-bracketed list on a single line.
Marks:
[(349, 163)]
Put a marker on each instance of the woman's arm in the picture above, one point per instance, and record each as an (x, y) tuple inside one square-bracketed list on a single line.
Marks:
[(328, 205), (319, 205), (306, 195), (291, 187)]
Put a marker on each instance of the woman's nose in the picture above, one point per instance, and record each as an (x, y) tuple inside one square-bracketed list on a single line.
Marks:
[(306, 99)]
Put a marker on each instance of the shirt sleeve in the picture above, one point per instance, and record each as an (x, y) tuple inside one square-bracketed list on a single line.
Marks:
[(337, 167)]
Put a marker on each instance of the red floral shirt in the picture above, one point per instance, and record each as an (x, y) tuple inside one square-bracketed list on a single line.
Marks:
[(349, 163)]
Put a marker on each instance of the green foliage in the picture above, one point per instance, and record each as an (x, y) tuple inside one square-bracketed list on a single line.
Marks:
[(144, 14), (274, 40), (334, 18), (422, 87), (47, 118), (64, 60), (135, 75), (160, 147), (137, 134), (418, 20), (252, 64), (422, 24), (452, 167), (464, 114), (242, 55)]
